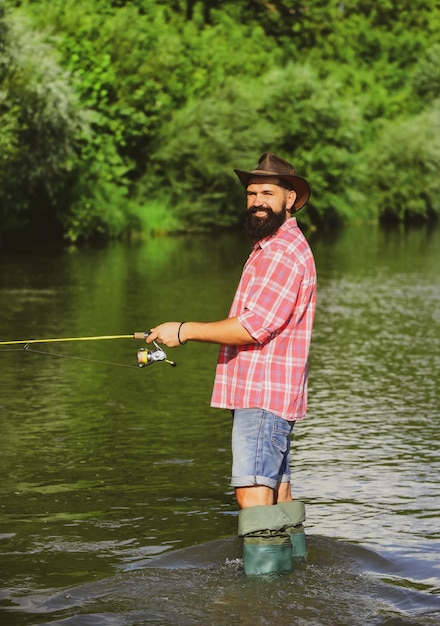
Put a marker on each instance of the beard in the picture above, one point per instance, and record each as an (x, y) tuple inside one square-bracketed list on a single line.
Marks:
[(261, 227)]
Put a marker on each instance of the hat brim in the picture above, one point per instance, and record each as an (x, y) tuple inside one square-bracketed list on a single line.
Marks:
[(300, 185)]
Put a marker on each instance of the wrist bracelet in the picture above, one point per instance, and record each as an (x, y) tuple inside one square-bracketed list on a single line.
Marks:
[(182, 343)]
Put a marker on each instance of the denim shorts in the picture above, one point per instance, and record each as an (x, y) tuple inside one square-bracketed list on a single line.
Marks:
[(260, 448)]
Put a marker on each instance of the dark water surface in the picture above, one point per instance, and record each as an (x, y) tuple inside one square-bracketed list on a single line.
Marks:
[(115, 505)]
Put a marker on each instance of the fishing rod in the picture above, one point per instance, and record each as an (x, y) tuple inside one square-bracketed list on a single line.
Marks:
[(145, 356)]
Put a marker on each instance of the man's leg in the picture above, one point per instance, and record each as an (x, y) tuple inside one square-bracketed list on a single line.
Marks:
[(253, 496), (296, 512), (260, 450), (283, 493)]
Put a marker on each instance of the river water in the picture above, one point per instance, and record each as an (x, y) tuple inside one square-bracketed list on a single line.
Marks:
[(115, 505)]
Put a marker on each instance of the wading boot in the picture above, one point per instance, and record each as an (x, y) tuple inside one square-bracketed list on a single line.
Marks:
[(266, 544), (296, 512)]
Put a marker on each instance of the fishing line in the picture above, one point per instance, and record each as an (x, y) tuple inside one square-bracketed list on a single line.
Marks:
[(78, 358)]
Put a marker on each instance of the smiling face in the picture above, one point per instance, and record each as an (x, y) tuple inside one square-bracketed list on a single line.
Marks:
[(268, 206)]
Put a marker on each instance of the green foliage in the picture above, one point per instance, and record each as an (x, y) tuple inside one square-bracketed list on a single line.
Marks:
[(404, 168), (118, 115), (39, 120), (426, 76), (193, 163), (289, 110), (321, 131)]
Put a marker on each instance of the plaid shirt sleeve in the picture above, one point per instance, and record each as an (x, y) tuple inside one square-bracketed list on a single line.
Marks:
[(271, 296)]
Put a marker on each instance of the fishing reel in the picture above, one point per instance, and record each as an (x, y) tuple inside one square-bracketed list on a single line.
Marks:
[(147, 356)]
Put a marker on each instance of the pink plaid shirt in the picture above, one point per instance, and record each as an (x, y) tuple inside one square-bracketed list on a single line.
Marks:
[(275, 301)]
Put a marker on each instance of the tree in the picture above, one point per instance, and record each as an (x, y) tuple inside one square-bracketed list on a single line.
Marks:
[(40, 120), (404, 168)]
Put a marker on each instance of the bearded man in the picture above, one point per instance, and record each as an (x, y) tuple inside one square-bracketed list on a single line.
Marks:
[(262, 368)]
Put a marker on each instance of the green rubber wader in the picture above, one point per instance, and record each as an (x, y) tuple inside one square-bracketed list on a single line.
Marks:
[(267, 554), (297, 515), (266, 544)]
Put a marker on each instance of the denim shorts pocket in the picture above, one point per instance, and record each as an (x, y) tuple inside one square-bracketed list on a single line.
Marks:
[(281, 431)]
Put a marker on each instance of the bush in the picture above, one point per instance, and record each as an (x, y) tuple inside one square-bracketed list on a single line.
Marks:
[(191, 169), (40, 121), (404, 168), (426, 75), (321, 132)]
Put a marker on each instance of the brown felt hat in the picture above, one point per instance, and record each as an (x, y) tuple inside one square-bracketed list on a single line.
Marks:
[(270, 164)]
